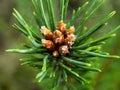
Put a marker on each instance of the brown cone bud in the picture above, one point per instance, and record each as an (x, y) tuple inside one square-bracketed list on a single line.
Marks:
[(55, 54), (48, 44), (63, 49), (61, 26), (69, 40), (58, 37), (60, 41), (47, 33), (71, 30)]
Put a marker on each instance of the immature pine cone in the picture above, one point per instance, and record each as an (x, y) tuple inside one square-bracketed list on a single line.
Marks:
[(60, 41)]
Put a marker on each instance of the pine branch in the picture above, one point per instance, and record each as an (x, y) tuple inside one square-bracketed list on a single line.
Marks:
[(61, 52)]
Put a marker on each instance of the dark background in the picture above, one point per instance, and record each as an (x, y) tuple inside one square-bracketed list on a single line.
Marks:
[(13, 76)]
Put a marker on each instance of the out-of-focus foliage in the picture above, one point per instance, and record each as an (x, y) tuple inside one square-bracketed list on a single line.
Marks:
[(16, 77)]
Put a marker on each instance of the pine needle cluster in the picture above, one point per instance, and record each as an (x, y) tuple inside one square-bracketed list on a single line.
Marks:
[(70, 67)]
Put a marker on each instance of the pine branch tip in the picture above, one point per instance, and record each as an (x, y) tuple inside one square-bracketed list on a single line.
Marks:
[(99, 70), (13, 25), (103, 42), (21, 59), (14, 9), (106, 24), (113, 35), (115, 57), (13, 13), (9, 50), (113, 13), (118, 57), (87, 3), (89, 65)]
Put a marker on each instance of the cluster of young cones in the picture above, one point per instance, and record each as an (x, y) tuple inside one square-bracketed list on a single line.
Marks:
[(60, 41)]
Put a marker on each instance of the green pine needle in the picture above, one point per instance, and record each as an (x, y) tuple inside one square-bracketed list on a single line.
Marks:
[(98, 55), (45, 63), (76, 14), (75, 61)]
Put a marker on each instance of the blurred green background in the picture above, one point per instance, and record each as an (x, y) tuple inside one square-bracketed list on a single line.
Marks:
[(13, 76)]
